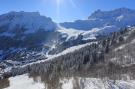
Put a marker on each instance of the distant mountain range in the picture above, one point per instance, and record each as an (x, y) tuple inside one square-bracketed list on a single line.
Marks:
[(116, 18)]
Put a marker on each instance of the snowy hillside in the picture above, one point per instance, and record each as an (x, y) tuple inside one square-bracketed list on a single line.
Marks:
[(92, 34), (69, 33)]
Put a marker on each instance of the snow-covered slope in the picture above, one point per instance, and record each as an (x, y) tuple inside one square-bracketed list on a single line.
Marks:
[(70, 33)]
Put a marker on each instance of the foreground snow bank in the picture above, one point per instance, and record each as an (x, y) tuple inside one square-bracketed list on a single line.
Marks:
[(94, 83), (24, 82)]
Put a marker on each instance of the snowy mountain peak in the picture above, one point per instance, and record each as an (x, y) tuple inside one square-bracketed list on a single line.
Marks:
[(123, 9), (117, 12), (100, 18), (32, 21)]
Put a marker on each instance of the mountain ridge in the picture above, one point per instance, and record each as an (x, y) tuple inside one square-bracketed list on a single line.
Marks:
[(119, 17), (32, 21)]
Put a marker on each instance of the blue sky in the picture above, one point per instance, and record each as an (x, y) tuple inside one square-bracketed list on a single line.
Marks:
[(63, 10)]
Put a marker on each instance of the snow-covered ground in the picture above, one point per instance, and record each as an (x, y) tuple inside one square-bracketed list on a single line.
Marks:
[(68, 33), (24, 82)]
